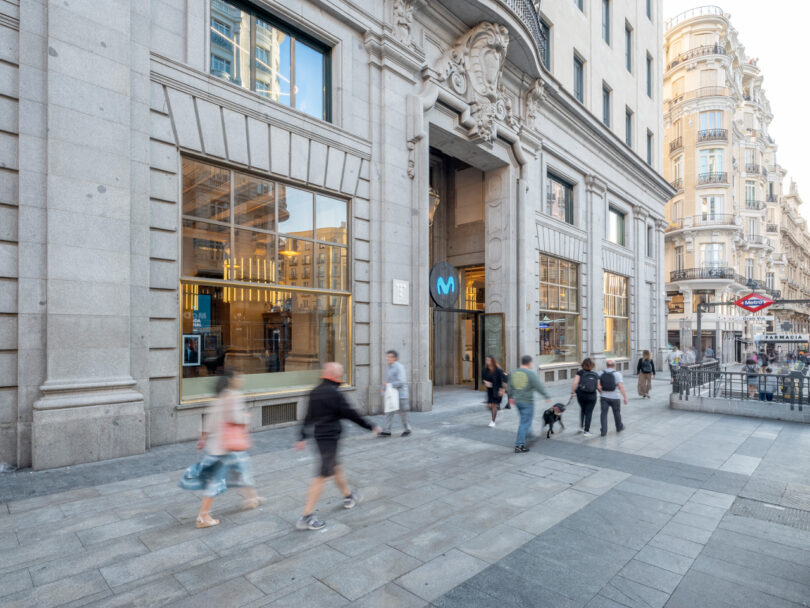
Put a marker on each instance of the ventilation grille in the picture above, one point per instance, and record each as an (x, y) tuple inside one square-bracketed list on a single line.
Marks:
[(278, 413), (549, 376), (562, 374)]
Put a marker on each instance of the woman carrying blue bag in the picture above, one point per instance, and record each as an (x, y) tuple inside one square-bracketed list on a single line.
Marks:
[(226, 441)]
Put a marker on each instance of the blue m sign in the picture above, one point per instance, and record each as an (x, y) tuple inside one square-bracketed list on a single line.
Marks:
[(445, 287)]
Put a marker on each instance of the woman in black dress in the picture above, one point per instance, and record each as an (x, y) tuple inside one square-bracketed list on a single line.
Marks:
[(495, 381)]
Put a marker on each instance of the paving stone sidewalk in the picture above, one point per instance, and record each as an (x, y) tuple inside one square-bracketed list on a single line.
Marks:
[(681, 509)]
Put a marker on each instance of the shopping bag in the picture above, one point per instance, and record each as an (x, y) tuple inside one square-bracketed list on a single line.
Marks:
[(391, 399)]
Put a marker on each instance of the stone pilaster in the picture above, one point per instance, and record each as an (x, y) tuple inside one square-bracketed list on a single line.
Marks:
[(89, 409), (595, 193)]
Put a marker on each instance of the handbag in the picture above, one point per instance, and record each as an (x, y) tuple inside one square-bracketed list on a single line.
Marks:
[(391, 399), (235, 437)]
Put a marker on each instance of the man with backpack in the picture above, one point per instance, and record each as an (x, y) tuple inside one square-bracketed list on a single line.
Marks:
[(646, 372), (611, 385), (584, 387)]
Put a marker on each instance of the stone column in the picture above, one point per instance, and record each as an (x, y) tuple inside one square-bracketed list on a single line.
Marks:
[(640, 333), (89, 409), (593, 281), (660, 289), (500, 247)]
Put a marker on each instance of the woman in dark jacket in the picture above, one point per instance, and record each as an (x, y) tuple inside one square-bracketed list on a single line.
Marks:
[(495, 381), (584, 387)]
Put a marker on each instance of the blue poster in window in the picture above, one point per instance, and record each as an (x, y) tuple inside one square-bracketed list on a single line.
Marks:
[(202, 316)]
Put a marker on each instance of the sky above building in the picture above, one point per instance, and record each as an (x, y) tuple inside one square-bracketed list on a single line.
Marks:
[(773, 32)]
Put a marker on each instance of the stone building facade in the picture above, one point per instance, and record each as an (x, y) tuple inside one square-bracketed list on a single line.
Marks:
[(188, 186), (724, 237)]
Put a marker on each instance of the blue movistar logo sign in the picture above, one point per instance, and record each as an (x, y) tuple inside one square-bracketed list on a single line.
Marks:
[(445, 287)]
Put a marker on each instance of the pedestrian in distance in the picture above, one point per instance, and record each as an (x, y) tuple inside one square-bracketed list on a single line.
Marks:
[(646, 372), (585, 388), (395, 377), (674, 357), (226, 441), (522, 384), (327, 407), (611, 387), (769, 386), (495, 381), (751, 378)]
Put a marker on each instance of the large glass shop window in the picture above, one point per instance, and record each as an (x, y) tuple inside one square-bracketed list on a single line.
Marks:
[(559, 311), (617, 316), (264, 281)]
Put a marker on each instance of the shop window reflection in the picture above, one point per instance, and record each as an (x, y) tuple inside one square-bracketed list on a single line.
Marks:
[(559, 311)]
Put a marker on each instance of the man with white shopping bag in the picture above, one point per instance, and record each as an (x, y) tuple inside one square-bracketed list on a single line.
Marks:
[(395, 394)]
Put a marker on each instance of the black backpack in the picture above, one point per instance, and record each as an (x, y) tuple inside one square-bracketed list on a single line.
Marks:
[(646, 366), (587, 383), (608, 381)]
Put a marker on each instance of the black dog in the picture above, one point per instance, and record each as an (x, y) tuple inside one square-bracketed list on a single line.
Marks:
[(552, 415)]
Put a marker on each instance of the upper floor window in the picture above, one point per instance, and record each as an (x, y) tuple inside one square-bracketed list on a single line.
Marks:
[(649, 147), (650, 242), (628, 47), (616, 226), (560, 199), (711, 161), (546, 50), (628, 127), (253, 50), (579, 78), (649, 76), (711, 120), (580, 4), (649, 9), (606, 104), (606, 21), (677, 168), (750, 191)]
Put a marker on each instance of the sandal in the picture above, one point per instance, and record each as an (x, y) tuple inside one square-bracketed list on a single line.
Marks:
[(207, 521), (253, 503)]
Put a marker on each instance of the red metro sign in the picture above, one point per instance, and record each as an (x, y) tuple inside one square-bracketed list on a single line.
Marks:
[(754, 302)]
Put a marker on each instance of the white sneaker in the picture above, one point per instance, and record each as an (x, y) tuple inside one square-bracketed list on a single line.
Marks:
[(491, 424), (587, 434)]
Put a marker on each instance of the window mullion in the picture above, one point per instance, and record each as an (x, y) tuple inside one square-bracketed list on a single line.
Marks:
[(252, 51), (292, 71)]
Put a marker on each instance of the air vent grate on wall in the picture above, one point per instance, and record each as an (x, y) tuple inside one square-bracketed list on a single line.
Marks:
[(278, 413)]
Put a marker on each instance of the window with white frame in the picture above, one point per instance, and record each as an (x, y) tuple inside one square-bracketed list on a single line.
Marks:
[(711, 207), (606, 21), (713, 255), (711, 161), (606, 90), (579, 78), (616, 226), (628, 47)]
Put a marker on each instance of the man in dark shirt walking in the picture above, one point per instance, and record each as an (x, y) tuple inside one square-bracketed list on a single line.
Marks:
[(327, 407)]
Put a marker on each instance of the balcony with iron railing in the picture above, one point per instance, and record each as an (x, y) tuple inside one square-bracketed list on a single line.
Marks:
[(708, 273), (527, 13), (675, 144), (699, 11), (771, 228), (757, 240), (772, 198), (713, 178), (699, 51), (677, 184), (712, 135), (714, 220), (752, 167), (697, 94), (755, 205)]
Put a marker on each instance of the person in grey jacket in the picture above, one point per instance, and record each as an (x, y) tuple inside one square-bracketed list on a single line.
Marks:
[(395, 376)]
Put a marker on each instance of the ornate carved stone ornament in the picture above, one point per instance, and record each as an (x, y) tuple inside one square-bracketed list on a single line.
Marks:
[(472, 69), (535, 94), (403, 18)]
